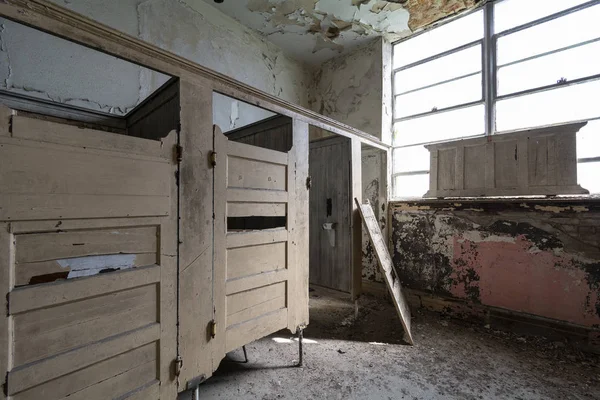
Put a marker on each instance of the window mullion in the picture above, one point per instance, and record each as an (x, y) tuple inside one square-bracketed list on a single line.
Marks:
[(489, 69)]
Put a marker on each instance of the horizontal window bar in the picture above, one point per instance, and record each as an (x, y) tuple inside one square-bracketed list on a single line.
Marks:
[(438, 83), (440, 55), (549, 87), (588, 160), (550, 52), (544, 126), (410, 173), (440, 141), (547, 18), (441, 110)]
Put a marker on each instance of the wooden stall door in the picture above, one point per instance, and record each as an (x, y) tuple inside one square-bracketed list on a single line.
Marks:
[(330, 203), (87, 262), (254, 269)]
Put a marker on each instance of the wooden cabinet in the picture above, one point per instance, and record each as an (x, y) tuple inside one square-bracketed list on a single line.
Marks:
[(533, 162)]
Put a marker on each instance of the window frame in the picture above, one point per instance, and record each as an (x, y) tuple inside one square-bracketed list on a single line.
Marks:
[(489, 71)]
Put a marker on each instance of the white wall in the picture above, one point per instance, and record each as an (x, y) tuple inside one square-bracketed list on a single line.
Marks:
[(350, 88), (50, 68)]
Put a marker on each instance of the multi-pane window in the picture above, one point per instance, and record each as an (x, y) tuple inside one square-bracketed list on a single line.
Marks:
[(510, 65)]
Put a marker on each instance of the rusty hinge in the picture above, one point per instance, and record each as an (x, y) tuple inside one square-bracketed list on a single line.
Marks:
[(213, 329), (213, 158), (308, 183), (178, 153), (178, 365)]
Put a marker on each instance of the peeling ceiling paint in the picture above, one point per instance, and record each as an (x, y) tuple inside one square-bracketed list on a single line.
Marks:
[(313, 31)]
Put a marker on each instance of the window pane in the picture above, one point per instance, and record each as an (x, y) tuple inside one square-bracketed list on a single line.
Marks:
[(457, 92), (511, 13), (411, 185), (570, 64), (588, 141), (407, 159), (588, 176), (446, 37), (561, 32), (457, 64), (468, 121), (572, 103)]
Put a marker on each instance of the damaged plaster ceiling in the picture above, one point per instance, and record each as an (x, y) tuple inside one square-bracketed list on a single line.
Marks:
[(313, 31)]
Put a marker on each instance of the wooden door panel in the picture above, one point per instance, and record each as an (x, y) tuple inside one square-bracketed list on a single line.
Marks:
[(89, 222), (330, 263), (253, 265)]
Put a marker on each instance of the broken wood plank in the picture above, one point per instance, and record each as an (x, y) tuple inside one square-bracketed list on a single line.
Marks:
[(51, 294), (387, 267)]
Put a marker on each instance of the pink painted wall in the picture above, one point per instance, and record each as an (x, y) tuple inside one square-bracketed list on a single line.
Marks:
[(514, 277), (535, 257)]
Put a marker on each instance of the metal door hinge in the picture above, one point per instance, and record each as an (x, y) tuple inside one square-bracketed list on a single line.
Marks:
[(213, 158), (178, 365), (308, 183), (213, 329), (178, 153)]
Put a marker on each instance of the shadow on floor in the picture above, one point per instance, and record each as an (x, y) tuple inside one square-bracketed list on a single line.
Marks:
[(333, 316)]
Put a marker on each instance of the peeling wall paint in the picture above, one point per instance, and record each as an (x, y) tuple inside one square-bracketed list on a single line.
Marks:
[(43, 66), (350, 89), (525, 257), (374, 186), (61, 71), (426, 12), (314, 31)]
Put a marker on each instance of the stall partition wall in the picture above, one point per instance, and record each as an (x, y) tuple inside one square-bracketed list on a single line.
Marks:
[(199, 281), (88, 223), (101, 303)]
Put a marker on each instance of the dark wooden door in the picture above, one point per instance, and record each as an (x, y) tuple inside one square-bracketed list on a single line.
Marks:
[(330, 203)]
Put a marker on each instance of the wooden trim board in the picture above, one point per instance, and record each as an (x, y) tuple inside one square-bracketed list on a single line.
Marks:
[(387, 267)]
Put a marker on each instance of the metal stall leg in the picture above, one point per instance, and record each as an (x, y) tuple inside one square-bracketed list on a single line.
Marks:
[(197, 393), (300, 353)]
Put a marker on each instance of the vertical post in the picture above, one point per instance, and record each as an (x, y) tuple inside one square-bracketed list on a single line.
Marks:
[(298, 251), (6, 282), (356, 224), (196, 234), (489, 69)]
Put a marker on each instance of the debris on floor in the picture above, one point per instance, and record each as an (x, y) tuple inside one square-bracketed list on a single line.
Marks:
[(367, 359)]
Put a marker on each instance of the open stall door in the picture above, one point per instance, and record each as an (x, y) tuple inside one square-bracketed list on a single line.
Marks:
[(88, 236), (255, 250)]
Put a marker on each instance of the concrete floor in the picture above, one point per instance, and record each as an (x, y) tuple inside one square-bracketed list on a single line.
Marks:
[(366, 359)]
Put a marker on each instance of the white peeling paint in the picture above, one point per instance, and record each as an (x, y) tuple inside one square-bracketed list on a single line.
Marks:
[(61, 71), (300, 25), (92, 265)]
